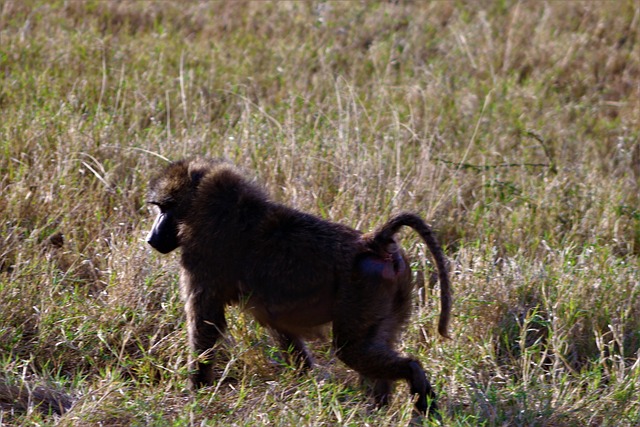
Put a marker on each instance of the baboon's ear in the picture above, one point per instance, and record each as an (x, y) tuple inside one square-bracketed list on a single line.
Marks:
[(197, 170)]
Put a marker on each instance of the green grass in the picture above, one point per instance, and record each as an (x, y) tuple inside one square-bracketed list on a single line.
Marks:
[(512, 127)]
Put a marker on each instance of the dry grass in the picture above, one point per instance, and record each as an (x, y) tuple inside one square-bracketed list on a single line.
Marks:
[(513, 127)]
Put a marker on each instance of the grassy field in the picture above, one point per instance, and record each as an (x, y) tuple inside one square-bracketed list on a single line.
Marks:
[(513, 127)]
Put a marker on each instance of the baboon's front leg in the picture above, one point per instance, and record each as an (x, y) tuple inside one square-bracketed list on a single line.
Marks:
[(205, 324)]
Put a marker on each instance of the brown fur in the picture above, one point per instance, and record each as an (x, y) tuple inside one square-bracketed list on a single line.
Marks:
[(21, 397), (293, 271)]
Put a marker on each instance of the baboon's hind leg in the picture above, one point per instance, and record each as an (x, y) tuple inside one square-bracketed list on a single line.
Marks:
[(383, 365), (295, 348)]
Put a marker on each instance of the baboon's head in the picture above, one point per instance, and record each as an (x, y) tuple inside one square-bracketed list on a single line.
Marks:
[(172, 192)]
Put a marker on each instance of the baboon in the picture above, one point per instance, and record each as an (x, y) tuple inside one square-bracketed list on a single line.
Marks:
[(293, 271)]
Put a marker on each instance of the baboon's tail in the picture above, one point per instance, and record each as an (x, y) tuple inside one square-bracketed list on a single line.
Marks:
[(385, 234), (21, 396)]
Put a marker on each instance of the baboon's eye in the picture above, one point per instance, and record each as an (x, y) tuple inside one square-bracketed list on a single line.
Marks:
[(163, 206), (158, 207), (166, 206), (154, 207)]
